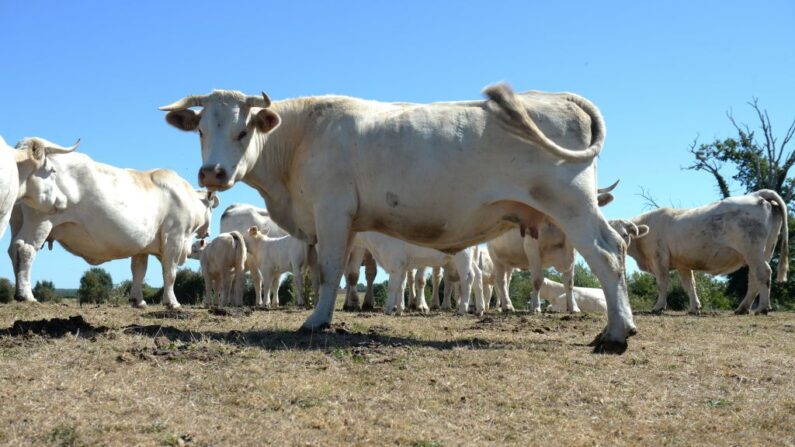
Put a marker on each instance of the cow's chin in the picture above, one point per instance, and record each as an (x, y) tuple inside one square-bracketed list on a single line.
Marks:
[(217, 187)]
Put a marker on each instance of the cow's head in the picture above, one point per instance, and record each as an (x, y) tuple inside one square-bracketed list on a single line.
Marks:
[(628, 230), (209, 200), (197, 248), (38, 177), (255, 233), (232, 128)]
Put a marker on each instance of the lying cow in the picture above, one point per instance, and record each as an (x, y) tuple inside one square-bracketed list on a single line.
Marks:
[(240, 217), (27, 176), (223, 263), (114, 213), (397, 257), (718, 238), (274, 256), (332, 166), (588, 299)]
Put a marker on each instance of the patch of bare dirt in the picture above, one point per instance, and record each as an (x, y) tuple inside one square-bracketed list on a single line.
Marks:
[(54, 328), (172, 314), (231, 311)]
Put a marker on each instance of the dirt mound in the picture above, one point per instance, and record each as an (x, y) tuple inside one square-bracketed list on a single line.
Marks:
[(173, 314), (54, 328), (230, 311)]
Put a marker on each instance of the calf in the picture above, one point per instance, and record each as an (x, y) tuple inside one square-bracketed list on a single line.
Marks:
[(717, 238), (588, 299), (223, 263), (274, 256)]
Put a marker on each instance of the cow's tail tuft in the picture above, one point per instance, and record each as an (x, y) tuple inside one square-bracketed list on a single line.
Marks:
[(504, 102), (240, 253)]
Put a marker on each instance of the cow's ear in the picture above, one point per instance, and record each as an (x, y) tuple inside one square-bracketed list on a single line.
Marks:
[(604, 198), (266, 120), (643, 230), (253, 230), (36, 151), (185, 119)]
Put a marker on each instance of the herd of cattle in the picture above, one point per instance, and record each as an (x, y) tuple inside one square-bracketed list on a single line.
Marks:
[(410, 186)]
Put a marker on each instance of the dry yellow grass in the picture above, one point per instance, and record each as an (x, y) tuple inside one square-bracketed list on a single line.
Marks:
[(374, 380)]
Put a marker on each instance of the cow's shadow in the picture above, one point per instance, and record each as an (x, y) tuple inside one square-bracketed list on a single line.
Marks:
[(325, 340)]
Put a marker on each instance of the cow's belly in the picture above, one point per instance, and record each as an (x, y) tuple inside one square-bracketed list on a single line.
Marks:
[(717, 261), (101, 246)]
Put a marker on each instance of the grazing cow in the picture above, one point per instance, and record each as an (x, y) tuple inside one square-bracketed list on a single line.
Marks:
[(717, 238), (588, 299), (114, 213), (359, 257), (240, 217), (274, 256), (223, 263), (397, 257), (332, 166), (26, 176)]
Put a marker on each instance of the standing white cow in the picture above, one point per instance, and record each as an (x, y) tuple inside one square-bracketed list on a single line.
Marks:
[(241, 217), (26, 176), (588, 299), (114, 213), (223, 263), (398, 257), (274, 256), (332, 166), (717, 238)]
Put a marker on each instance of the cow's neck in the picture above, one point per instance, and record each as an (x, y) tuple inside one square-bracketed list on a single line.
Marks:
[(272, 167)]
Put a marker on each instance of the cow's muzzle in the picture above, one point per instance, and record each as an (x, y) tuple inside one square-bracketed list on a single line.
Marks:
[(214, 178)]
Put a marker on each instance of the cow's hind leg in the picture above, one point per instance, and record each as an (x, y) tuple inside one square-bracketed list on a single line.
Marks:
[(689, 284), (761, 272), (418, 284), (370, 270), (352, 279), (436, 278), (138, 267)]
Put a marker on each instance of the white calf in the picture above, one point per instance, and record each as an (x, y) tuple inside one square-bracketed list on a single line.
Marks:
[(274, 256), (588, 299), (223, 263)]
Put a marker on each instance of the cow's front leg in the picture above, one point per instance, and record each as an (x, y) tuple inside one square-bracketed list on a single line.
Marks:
[(370, 270), (662, 276), (334, 235), (138, 266), (22, 257), (409, 286), (689, 284), (447, 299), (169, 275), (352, 279), (395, 292), (419, 289), (568, 287), (256, 279), (267, 283), (468, 277)]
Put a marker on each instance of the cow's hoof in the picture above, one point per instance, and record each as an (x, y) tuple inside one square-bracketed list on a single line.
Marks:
[(695, 313), (424, 309), (368, 307), (656, 311), (575, 311), (351, 308), (741, 311), (435, 307), (26, 299), (479, 313), (141, 305), (604, 346), (172, 305), (762, 311)]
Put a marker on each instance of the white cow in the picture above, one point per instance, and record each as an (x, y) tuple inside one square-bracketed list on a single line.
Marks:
[(274, 256), (26, 175), (223, 263), (331, 166), (114, 213), (717, 238), (240, 217), (588, 299), (397, 257)]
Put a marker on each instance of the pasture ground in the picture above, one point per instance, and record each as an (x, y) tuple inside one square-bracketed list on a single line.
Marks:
[(151, 377)]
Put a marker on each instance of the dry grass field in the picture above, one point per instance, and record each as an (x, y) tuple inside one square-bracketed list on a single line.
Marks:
[(194, 377)]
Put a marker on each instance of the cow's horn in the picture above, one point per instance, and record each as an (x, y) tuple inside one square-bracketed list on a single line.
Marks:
[(185, 103), (609, 188), (53, 148), (257, 101)]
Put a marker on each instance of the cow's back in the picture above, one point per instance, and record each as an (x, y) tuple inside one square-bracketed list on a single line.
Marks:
[(240, 217)]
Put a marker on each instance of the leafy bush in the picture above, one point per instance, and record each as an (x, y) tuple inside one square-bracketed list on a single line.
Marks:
[(96, 286), (379, 293), (189, 286), (6, 290), (44, 291)]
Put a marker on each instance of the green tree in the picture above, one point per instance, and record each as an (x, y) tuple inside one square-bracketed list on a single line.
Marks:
[(189, 286), (6, 290), (96, 286), (758, 160), (44, 291), (379, 293)]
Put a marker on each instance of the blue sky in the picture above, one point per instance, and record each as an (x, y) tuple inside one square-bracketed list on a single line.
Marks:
[(662, 73)]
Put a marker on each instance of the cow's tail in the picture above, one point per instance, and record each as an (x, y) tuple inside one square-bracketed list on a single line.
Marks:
[(783, 257), (240, 253), (514, 116)]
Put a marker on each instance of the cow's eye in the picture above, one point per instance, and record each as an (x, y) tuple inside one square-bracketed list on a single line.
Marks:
[(241, 135)]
